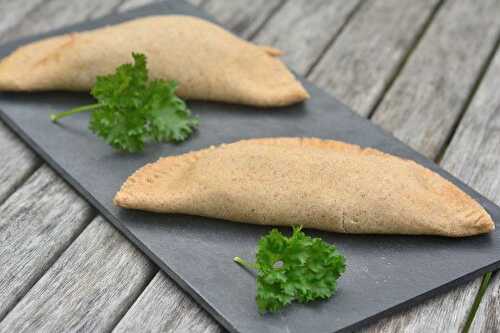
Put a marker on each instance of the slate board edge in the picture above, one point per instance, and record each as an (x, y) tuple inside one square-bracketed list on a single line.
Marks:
[(188, 288), (76, 185), (183, 284)]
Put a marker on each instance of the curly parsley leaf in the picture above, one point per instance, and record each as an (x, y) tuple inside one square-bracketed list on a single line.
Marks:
[(296, 268), (169, 121), (132, 111)]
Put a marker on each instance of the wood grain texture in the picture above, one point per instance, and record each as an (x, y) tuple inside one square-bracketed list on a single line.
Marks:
[(37, 223), (446, 313), (28, 251), (66, 309), (435, 313), (163, 307), (427, 97), (54, 14), (87, 289), (165, 287), (487, 318), (398, 28), (365, 57), (196, 2), (303, 29), (18, 162), (13, 12), (130, 4), (474, 152), (237, 15), (474, 155), (240, 16)]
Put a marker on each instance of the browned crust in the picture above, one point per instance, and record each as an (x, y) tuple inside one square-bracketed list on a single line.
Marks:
[(209, 62), (481, 221)]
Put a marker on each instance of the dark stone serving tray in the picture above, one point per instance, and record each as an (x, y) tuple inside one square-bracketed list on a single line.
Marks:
[(384, 273)]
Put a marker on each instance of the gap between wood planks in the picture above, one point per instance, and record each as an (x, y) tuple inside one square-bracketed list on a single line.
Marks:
[(116, 7), (139, 293), (344, 25), (36, 165), (477, 300), (333, 39), (487, 278), (52, 260), (264, 22), (406, 57), (397, 70), (62, 250), (470, 96), (85, 223)]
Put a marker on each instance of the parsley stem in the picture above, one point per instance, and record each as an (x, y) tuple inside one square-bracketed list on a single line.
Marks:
[(245, 263), (85, 108)]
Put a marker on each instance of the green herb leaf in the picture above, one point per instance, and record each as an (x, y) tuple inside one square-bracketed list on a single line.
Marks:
[(170, 119), (132, 110), (296, 268)]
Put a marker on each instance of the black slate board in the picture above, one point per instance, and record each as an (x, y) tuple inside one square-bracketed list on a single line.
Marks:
[(384, 274)]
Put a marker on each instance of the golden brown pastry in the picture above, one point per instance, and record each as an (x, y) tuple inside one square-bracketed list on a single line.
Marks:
[(208, 62), (321, 184)]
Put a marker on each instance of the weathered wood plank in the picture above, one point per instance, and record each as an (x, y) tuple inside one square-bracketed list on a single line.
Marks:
[(446, 313), (474, 157), (397, 31), (474, 153), (13, 12), (196, 2), (237, 15), (26, 307), (129, 4), (487, 318), (172, 309), (303, 29), (427, 97), (87, 289), (365, 57), (42, 218), (58, 13), (155, 315), (163, 306), (436, 313), (241, 17), (18, 162), (435, 308), (36, 224)]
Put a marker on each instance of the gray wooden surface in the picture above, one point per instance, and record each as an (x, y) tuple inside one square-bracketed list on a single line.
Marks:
[(427, 71)]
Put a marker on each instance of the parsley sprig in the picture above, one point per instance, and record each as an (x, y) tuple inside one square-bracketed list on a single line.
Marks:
[(292, 268), (132, 110)]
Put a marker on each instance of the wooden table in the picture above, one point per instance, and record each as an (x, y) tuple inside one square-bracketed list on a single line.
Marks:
[(427, 71)]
